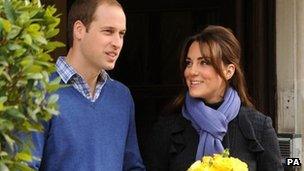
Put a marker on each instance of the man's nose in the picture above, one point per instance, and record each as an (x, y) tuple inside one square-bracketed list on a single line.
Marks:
[(117, 41)]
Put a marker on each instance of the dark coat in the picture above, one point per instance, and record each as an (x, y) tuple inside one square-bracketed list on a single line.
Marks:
[(250, 137)]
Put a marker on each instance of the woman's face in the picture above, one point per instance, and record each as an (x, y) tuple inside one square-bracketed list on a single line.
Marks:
[(201, 78)]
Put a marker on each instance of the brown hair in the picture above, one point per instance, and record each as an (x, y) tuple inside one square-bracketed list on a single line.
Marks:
[(220, 45), (84, 10)]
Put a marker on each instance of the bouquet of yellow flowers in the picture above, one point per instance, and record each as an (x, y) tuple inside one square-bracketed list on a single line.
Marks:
[(219, 162)]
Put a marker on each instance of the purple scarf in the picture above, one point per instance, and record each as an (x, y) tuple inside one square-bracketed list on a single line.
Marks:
[(211, 124)]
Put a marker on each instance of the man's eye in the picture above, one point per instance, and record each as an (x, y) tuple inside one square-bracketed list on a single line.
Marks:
[(122, 34), (108, 31)]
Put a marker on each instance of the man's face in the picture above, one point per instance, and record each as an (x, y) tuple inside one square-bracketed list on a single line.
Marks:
[(102, 41)]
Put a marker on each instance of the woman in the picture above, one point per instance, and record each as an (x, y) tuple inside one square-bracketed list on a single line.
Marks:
[(215, 112)]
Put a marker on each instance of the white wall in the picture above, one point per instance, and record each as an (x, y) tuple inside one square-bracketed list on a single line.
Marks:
[(290, 67)]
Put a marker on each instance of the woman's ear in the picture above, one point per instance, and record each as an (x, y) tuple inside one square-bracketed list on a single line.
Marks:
[(229, 71)]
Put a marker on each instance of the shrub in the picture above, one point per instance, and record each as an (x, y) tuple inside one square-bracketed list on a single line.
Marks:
[(27, 96)]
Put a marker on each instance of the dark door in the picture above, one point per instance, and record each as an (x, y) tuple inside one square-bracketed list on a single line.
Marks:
[(148, 64), (156, 29)]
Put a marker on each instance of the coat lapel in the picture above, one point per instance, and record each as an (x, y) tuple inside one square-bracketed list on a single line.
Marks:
[(183, 137), (247, 130), (243, 124)]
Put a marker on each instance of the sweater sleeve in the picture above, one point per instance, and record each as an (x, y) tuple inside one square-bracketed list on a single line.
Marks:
[(270, 159), (132, 157), (38, 139)]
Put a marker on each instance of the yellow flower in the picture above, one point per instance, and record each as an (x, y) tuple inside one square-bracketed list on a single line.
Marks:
[(196, 166), (219, 162), (222, 163), (238, 165), (207, 159)]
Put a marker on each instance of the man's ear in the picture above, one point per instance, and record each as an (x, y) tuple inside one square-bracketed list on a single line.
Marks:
[(78, 30), (229, 71)]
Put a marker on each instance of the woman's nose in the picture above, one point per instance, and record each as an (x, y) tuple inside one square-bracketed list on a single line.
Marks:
[(193, 70)]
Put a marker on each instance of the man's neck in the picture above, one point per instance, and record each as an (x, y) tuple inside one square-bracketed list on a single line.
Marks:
[(89, 74)]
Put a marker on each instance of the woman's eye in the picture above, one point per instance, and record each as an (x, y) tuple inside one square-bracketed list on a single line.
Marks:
[(188, 63), (205, 62)]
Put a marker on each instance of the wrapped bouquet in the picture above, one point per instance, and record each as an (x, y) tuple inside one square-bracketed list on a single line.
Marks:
[(219, 162)]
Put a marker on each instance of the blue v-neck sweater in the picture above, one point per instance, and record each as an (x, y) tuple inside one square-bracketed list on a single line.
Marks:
[(91, 136)]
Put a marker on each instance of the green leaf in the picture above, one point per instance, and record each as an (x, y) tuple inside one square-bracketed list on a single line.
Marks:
[(1, 27), (27, 2), (14, 46), (34, 76), (53, 98), (1, 69), (27, 39), (22, 82), (3, 99), (33, 28), (24, 156), (42, 63), (55, 23), (34, 113), (55, 44), (52, 87), (3, 153), (7, 76), (40, 39), (9, 140), (15, 30), (23, 18), (7, 26), (34, 69), (22, 166), (50, 11), (46, 78), (8, 10), (45, 57), (27, 61), (3, 167), (19, 52), (52, 111), (32, 127), (34, 12), (6, 125), (13, 112), (2, 108), (51, 33), (35, 47), (226, 153)]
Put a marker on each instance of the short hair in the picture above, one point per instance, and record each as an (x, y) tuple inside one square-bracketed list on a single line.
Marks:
[(84, 11)]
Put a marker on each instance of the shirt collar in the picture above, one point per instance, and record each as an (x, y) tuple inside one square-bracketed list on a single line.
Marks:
[(67, 72)]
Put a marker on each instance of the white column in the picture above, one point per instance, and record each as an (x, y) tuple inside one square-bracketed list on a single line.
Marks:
[(290, 69), (300, 69), (286, 65)]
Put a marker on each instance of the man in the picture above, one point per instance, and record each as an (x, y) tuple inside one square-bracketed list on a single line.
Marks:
[(95, 130)]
